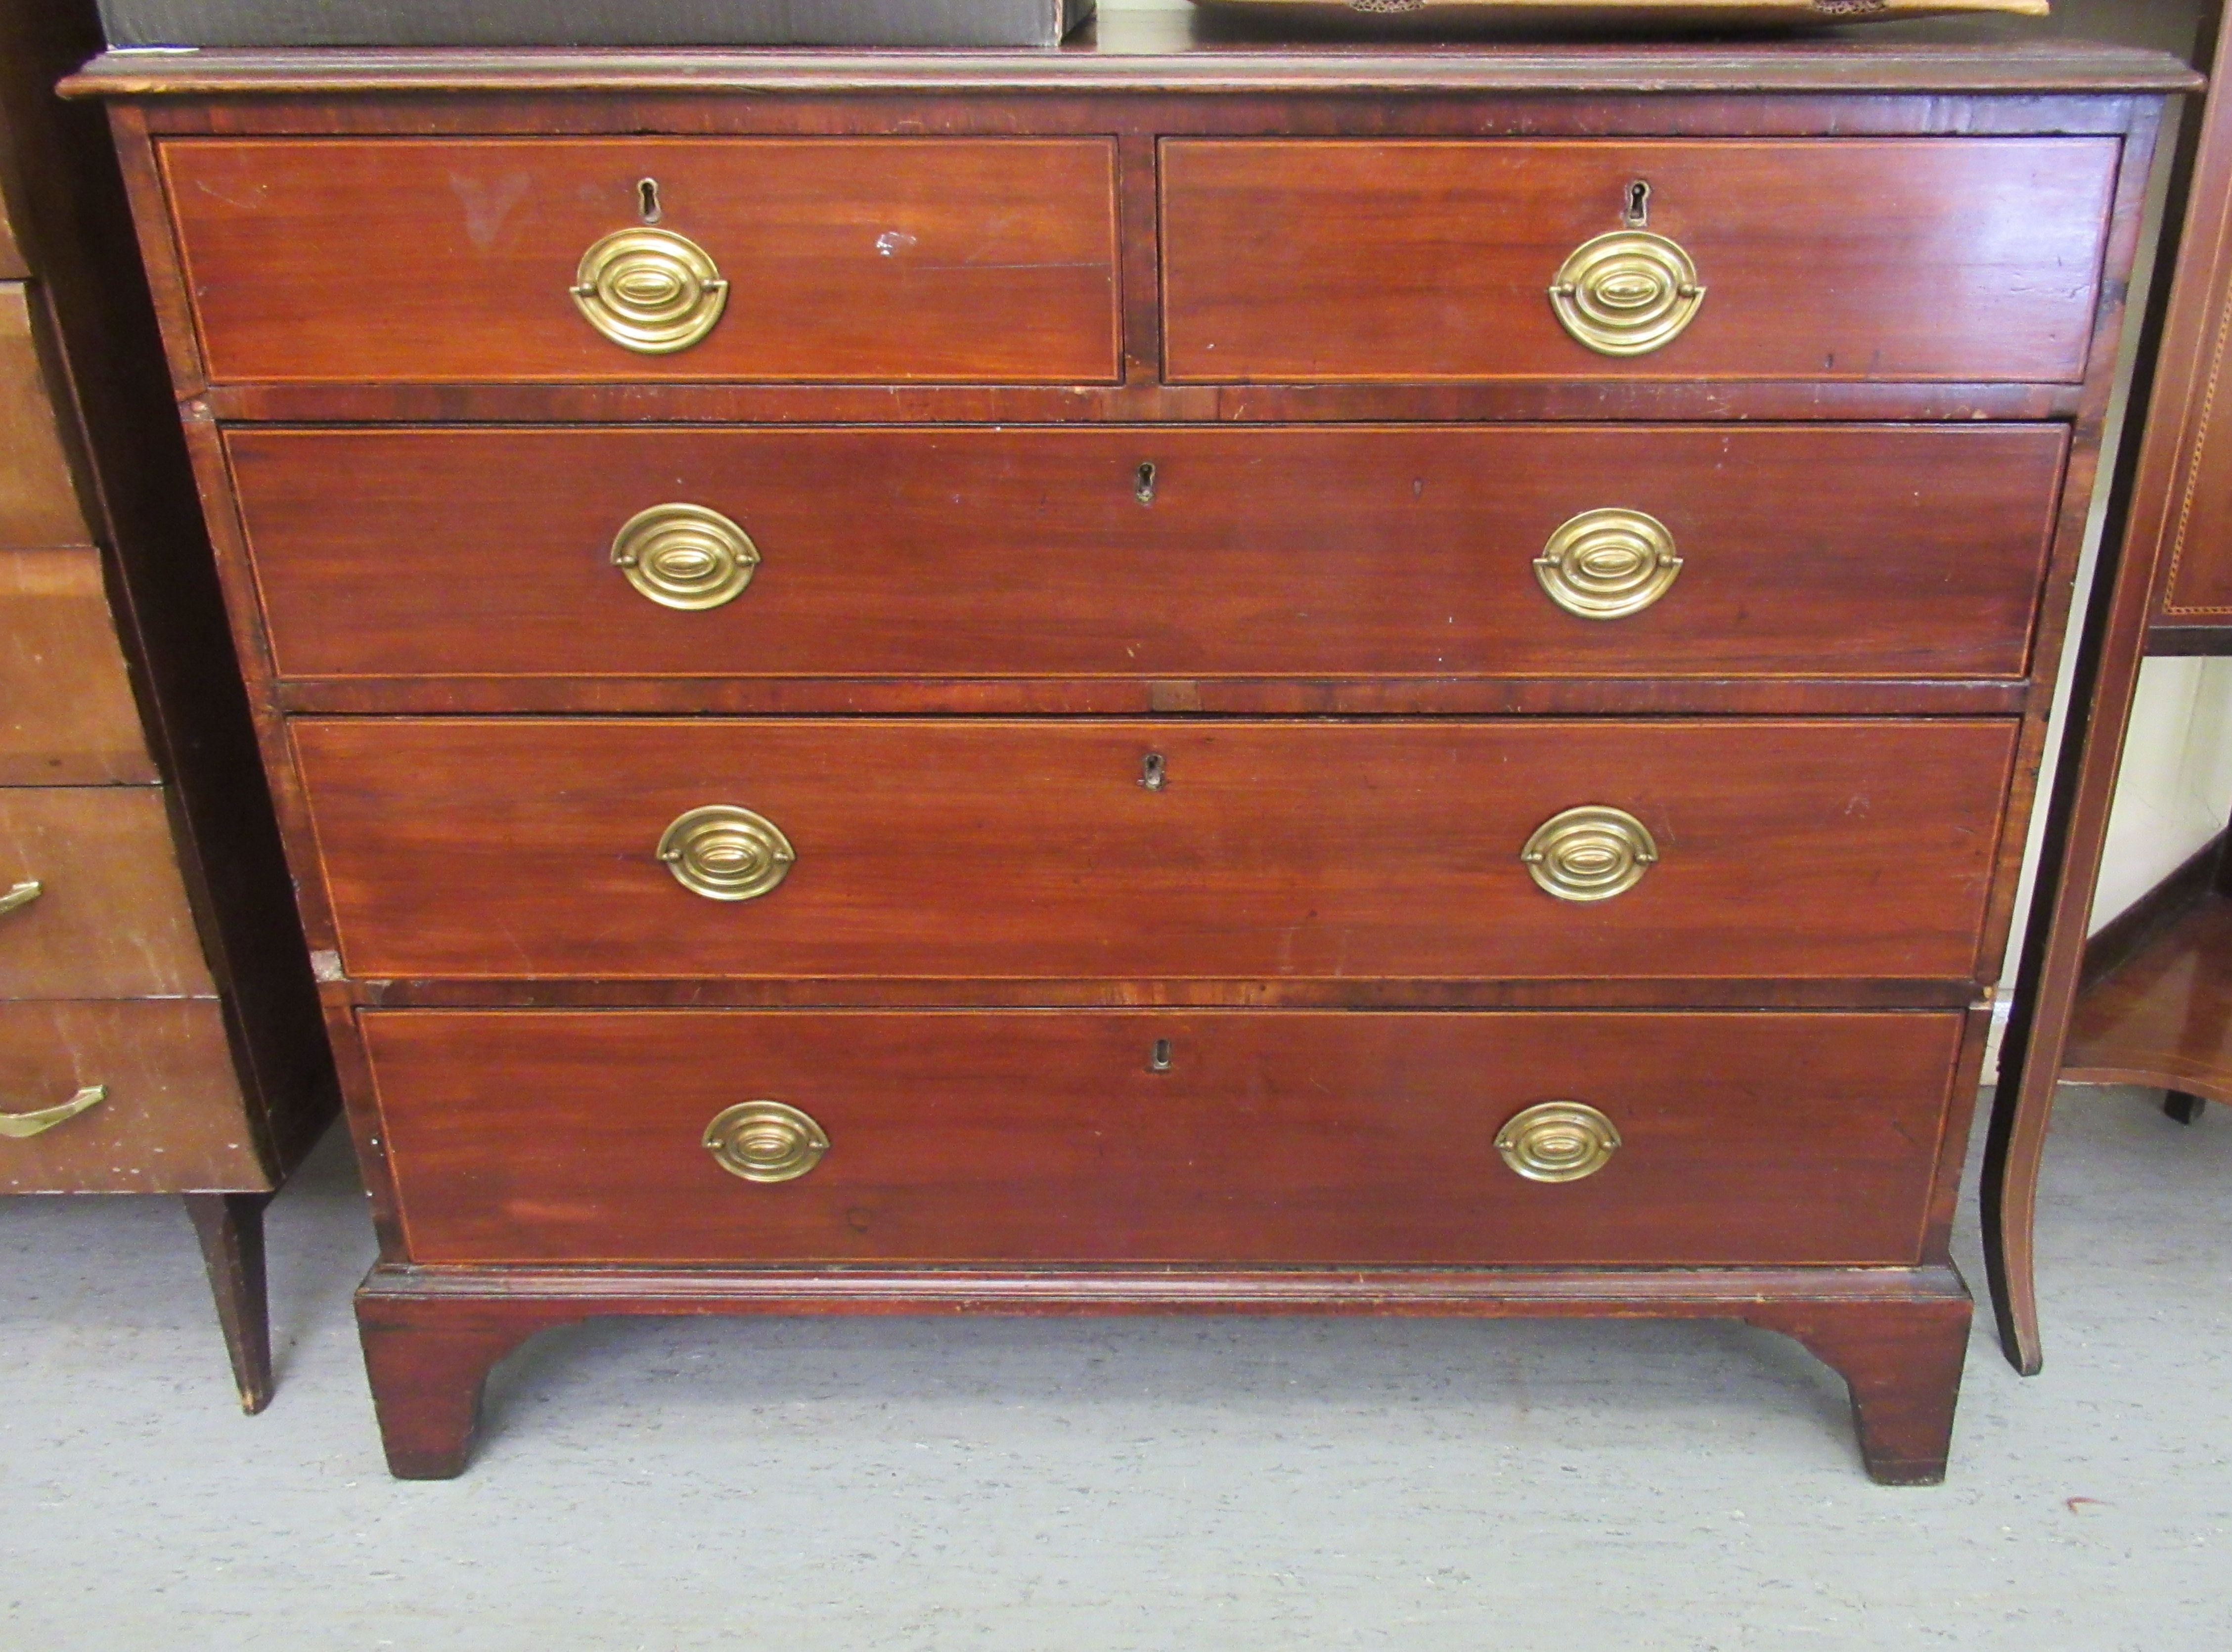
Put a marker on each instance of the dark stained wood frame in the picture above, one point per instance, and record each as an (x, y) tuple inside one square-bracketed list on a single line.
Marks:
[(2185, 349), (431, 1334)]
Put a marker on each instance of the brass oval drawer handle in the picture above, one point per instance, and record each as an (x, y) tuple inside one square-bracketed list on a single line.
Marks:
[(685, 556), (21, 1127), (1628, 293), (1609, 564), (1591, 853), (652, 291), (22, 895), (765, 1141), (1558, 1141), (726, 854)]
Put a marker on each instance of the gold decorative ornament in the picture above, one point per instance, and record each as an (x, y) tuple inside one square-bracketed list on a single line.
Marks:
[(1608, 564), (726, 854), (1590, 853), (21, 1127), (22, 895), (685, 556), (765, 1141), (652, 291), (1628, 293), (1558, 1141)]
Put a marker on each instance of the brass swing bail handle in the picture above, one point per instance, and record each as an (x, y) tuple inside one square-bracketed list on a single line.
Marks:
[(22, 895), (21, 1127)]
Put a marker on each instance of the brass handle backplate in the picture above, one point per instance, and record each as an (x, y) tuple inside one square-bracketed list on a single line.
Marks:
[(1628, 293), (652, 291), (685, 556), (726, 854), (21, 1127), (1591, 853), (1558, 1141), (765, 1141), (22, 895), (1608, 564)]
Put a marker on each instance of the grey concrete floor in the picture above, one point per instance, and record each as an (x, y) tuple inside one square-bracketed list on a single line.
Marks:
[(1091, 1486)]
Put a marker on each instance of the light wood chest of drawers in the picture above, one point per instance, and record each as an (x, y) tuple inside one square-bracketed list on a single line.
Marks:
[(1152, 680)]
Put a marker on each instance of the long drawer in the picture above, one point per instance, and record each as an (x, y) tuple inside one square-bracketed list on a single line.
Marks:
[(540, 259), (1283, 1137), (1874, 551), (92, 903), (66, 715), (148, 1098), (1803, 259), (884, 849)]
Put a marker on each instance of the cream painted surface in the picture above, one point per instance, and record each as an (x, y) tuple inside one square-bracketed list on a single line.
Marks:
[(2175, 792)]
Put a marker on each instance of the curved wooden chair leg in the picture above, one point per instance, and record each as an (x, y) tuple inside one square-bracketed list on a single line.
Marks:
[(2185, 1107), (230, 1228), (2013, 1150)]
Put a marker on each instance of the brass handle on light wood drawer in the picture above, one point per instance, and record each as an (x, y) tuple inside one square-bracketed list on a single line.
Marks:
[(1591, 853), (1628, 293), (1609, 564), (765, 1141), (652, 291), (1558, 1141), (22, 1127), (726, 854), (685, 556), (22, 895)]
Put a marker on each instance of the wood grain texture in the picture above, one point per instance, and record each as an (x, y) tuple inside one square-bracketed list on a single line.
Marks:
[(2163, 1016), (873, 259), (111, 920), (473, 848), (1850, 259), (66, 717), (1853, 553), (38, 499), (172, 1122), (1288, 1138)]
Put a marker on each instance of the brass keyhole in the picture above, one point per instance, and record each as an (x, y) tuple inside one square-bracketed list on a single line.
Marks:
[(1638, 205), (1143, 484), (1159, 1058), (1154, 771), (647, 192)]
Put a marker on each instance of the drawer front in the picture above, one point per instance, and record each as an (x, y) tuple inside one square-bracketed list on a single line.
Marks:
[(1929, 259), (38, 501), (982, 259), (1036, 1137), (66, 715), (1156, 552), (97, 908), (978, 849), (168, 1118)]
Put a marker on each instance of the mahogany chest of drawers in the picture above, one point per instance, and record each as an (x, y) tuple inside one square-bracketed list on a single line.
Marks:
[(1218, 680)]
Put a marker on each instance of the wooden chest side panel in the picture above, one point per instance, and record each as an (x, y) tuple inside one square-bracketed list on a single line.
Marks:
[(38, 499), (1284, 1138), (901, 258), (1873, 550), (1838, 259), (472, 848)]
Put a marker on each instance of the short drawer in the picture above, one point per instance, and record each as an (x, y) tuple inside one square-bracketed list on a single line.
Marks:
[(67, 714), (1481, 551), (92, 904), (1914, 259), (749, 258), (123, 1097), (884, 849), (1232, 1137)]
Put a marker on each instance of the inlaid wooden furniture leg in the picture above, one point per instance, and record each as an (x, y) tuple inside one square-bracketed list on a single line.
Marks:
[(2184, 1106), (429, 1368), (1902, 1365), (230, 1228)]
